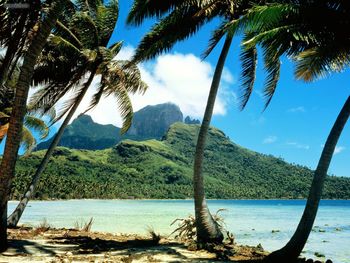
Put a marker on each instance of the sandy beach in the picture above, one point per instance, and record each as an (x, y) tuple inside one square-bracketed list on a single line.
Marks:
[(70, 245)]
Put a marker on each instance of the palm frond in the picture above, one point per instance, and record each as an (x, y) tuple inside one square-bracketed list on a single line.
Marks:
[(115, 48), (317, 63), (65, 29), (166, 33), (40, 112), (37, 124), (28, 141), (215, 39), (61, 43), (142, 10), (89, 6), (46, 97), (248, 59), (85, 29), (259, 17), (69, 103), (272, 66), (96, 98), (126, 73), (124, 104), (107, 16)]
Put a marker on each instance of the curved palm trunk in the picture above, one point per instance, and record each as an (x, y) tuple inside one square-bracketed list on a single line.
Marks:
[(293, 248), (13, 219), (8, 162), (207, 229)]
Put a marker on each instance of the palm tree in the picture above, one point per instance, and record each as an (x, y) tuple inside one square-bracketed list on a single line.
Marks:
[(7, 168), (15, 25), (178, 21), (28, 140), (318, 46), (31, 121), (82, 38)]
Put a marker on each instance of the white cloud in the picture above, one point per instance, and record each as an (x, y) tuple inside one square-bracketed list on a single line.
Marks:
[(297, 109), (179, 78), (270, 139), (298, 145), (339, 149)]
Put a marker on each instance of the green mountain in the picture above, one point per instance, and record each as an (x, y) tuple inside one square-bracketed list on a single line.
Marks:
[(163, 169), (150, 122)]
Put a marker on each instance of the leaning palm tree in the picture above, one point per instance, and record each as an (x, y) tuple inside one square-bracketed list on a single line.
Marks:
[(82, 38), (178, 21), (37, 41), (318, 47)]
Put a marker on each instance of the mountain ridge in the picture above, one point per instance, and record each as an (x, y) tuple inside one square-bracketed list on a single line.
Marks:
[(150, 122)]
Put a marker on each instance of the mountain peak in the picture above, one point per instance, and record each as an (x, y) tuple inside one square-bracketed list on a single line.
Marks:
[(154, 120), (83, 118), (150, 122)]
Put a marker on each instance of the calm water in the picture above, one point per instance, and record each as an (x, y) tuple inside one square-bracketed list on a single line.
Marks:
[(251, 221)]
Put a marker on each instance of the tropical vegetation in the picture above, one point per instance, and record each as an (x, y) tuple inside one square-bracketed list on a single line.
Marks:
[(162, 169), (31, 121), (72, 57), (39, 32), (64, 45), (179, 21), (318, 47)]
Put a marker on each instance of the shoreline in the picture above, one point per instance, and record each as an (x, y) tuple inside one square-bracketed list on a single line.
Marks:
[(151, 199)]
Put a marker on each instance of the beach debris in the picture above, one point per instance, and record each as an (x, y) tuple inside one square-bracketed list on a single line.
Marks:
[(260, 247), (230, 238), (186, 229), (84, 225)]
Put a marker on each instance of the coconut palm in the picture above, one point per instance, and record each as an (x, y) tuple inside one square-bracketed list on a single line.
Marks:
[(76, 53), (178, 21), (318, 47), (37, 41)]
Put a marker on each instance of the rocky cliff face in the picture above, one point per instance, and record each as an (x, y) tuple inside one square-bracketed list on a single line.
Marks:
[(154, 121), (150, 122)]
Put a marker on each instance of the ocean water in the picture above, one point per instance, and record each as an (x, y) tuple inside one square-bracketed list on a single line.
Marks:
[(251, 221)]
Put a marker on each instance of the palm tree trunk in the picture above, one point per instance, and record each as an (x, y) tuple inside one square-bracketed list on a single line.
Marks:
[(293, 248), (14, 218), (14, 134), (207, 229)]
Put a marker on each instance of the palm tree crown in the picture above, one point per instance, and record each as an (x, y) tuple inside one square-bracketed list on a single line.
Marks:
[(79, 47)]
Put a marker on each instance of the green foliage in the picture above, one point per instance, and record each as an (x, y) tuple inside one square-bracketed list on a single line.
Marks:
[(163, 169)]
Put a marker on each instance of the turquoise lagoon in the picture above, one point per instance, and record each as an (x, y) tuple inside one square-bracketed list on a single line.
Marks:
[(268, 222)]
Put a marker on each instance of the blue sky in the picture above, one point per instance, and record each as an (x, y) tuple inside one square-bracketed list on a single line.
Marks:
[(294, 126)]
